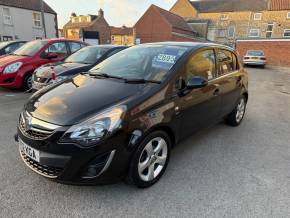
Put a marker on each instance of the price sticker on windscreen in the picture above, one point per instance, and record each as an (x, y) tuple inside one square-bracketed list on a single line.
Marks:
[(167, 58)]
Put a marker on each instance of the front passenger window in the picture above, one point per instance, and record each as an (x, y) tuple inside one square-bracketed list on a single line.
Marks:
[(201, 64), (58, 48)]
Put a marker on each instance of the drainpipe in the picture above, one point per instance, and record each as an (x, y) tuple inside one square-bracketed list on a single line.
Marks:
[(43, 18)]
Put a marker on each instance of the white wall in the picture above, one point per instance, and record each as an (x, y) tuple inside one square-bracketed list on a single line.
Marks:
[(23, 27)]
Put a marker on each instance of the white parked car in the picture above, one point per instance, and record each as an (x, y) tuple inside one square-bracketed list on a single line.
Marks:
[(255, 58)]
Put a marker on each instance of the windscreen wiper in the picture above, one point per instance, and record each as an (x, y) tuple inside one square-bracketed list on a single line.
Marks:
[(106, 76), (142, 81)]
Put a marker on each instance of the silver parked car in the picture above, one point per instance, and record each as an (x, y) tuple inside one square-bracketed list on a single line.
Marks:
[(255, 58)]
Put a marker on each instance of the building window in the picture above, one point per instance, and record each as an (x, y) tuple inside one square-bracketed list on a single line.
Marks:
[(257, 16), (232, 31), (7, 38), (269, 31), (288, 15), (36, 19), (75, 20), (7, 19), (287, 33), (254, 33), (224, 17), (221, 33)]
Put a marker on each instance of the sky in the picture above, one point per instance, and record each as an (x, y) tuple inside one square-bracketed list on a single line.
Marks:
[(117, 12)]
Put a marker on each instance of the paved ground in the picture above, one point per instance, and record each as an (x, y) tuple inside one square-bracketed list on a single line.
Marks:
[(221, 172)]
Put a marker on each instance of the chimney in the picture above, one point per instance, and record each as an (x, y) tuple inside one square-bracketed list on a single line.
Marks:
[(101, 13)]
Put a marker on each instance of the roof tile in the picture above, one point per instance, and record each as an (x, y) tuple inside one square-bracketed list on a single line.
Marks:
[(33, 5)]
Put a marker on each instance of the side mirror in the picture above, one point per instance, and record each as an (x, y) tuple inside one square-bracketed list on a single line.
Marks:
[(196, 82), (50, 56)]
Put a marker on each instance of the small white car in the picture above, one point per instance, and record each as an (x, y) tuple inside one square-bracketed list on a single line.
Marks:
[(255, 58)]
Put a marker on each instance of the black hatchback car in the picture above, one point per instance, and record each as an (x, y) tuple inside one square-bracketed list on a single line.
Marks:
[(122, 119), (10, 46), (80, 61)]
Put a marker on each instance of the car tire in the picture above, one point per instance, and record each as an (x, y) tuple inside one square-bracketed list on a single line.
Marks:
[(150, 160), (236, 117), (27, 82)]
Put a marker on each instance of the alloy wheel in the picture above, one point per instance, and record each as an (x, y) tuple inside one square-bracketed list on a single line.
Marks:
[(240, 110), (29, 82), (153, 159)]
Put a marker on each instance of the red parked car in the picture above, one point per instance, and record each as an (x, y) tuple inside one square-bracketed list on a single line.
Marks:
[(16, 69)]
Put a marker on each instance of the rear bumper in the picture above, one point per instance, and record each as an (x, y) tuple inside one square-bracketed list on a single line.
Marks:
[(256, 63)]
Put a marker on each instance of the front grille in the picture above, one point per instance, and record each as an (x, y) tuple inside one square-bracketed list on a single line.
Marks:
[(47, 171), (34, 133)]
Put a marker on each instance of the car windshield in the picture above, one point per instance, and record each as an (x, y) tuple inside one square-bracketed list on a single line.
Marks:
[(30, 48), (87, 55), (4, 44), (255, 53), (145, 62)]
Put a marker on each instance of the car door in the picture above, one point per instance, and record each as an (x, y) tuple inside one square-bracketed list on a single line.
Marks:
[(200, 107), (230, 80), (58, 48)]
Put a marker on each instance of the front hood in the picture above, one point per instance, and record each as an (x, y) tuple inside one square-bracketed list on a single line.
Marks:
[(9, 59), (80, 98), (59, 68)]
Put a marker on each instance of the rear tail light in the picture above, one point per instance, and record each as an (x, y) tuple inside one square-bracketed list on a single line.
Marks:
[(263, 58), (246, 58), (53, 74)]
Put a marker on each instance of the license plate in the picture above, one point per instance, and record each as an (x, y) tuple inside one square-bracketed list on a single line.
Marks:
[(254, 58), (29, 151)]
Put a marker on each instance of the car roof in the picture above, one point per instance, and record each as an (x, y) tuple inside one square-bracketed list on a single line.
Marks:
[(192, 45), (107, 46), (14, 41), (60, 39)]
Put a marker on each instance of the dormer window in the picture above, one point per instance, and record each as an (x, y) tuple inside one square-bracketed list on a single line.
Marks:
[(224, 17), (75, 19)]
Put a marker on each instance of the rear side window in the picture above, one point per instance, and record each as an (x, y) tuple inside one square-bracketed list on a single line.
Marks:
[(12, 47), (201, 64), (225, 62), (74, 46)]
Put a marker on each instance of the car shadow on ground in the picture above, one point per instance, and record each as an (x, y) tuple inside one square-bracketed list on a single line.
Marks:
[(186, 151)]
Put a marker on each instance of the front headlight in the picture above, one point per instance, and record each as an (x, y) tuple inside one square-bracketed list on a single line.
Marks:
[(96, 128), (12, 68)]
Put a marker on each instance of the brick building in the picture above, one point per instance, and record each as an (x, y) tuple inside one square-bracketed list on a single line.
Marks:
[(92, 23), (122, 36), (277, 51), (225, 21), (158, 24)]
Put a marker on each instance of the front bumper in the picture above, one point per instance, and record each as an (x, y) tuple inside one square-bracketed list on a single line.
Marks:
[(10, 80), (71, 164)]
